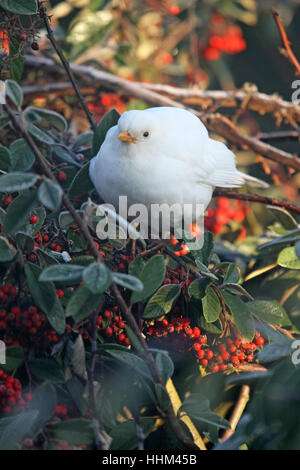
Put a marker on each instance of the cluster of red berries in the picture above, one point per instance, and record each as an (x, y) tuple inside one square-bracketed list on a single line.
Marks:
[(7, 293), (113, 325), (11, 393), (225, 212), (60, 411), (223, 38), (23, 326), (214, 357)]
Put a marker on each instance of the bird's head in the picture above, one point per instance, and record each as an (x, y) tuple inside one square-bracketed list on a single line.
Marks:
[(137, 127)]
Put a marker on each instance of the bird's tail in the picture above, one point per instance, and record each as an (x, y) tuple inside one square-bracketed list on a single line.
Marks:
[(252, 181)]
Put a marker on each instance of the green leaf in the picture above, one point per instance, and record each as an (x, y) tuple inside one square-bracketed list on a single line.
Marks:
[(62, 273), (204, 270), (241, 315), (269, 311), (279, 346), (44, 401), (237, 288), (17, 181), (124, 435), (46, 118), (76, 431), (14, 92), (284, 217), (82, 303), (152, 277), (16, 58), (81, 183), (14, 358), (46, 370), (19, 210), (198, 408), (165, 365), (211, 306), (232, 274), (136, 266), (21, 7), (50, 194), (162, 301), (5, 158), (288, 258), (65, 155), (6, 253), (127, 281), (208, 246), (97, 277), (40, 135), (109, 120), (24, 241), (198, 287), (135, 363), (21, 155), (44, 295), (22, 425)]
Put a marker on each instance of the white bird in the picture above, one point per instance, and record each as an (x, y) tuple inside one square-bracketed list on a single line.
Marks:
[(163, 155)]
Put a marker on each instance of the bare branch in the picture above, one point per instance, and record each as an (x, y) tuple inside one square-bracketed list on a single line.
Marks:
[(286, 43)]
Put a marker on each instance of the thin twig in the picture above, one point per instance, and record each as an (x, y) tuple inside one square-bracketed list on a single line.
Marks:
[(271, 201), (44, 16), (237, 411), (286, 43)]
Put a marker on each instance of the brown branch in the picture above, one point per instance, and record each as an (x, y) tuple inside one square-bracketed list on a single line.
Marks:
[(45, 18), (278, 136), (237, 411), (286, 43), (215, 122), (271, 201), (259, 102), (223, 126)]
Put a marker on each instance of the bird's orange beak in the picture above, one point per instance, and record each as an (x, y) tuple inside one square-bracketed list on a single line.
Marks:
[(126, 137)]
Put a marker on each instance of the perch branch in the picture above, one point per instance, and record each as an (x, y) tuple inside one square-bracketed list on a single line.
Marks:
[(215, 122), (237, 411), (271, 201), (286, 43)]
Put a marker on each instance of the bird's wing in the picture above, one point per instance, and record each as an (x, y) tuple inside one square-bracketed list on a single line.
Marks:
[(220, 164)]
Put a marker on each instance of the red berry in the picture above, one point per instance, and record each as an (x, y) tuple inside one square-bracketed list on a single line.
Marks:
[(260, 341), (204, 362), (215, 368), (59, 293), (174, 10), (33, 219), (62, 176), (107, 314), (7, 200), (209, 354), (108, 331)]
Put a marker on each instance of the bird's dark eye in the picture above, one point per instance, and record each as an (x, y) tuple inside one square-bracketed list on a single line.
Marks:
[(146, 134)]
